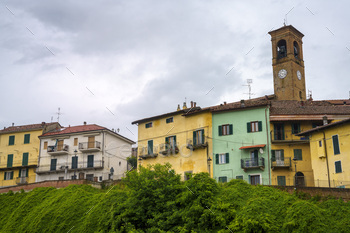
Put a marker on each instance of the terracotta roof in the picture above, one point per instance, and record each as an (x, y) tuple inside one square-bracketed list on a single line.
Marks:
[(22, 128), (257, 102), (307, 132), (74, 129)]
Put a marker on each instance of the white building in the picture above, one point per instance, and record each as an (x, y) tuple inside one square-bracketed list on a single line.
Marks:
[(84, 152)]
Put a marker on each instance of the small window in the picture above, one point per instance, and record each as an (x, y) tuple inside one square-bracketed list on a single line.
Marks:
[(169, 120), (8, 175), (171, 142), (100, 178), (254, 126), (26, 138), (120, 163), (298, 154), (336, 148), (75, 141), (222, 158), (12, 140), (320, 143), (295, 128), (45, 145), (225, 130), (338, 168), (223, 179), (239, 177), (148, 125)]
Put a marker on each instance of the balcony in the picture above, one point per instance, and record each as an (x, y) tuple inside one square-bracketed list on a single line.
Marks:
[(145, 153), (90, 146), (62, 167), (285, 163), (199, 144), (283, 136), (167, 149), (19, 164), (58, 150), (247, 164), (22, 180)]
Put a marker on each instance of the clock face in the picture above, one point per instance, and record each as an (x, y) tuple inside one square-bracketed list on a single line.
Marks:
[(282, 73), (299, 75)]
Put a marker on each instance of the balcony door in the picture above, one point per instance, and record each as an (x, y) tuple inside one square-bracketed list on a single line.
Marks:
[(254, 156), (91, 142), (59, 145), (53, 165), (278, 131), (90, 162), (279, 155)]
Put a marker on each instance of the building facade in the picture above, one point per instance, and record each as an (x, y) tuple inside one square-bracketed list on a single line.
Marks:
[(89, 152), (19, 152)]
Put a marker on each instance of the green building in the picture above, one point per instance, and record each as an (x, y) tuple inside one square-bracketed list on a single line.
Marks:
[(241, 141)]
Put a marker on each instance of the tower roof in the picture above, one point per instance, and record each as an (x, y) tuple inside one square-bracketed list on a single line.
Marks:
[(286, 28)]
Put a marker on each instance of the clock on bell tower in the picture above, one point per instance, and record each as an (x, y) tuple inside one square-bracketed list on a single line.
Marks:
[(288, 64)]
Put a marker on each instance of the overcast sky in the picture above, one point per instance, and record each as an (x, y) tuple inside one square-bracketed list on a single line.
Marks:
[(113, 62)]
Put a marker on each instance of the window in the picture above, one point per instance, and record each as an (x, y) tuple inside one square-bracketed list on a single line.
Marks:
[(45, 145), (281, 180), (148, 125), (90, 162), (198, 137), (100, 178), (281, 49), (26, 138), (335, 145), (90, 177), (75, 141), (75, 162), (225, 130), (298, 154), (222, 158), (25, 159), (295, 128), (277, 156), (23, 173), (239, 177), (61, 178), (11, 140), (254, 126), (8, 175), (223, 179), (169, 120), (254, 179), (338, 168), (171, 142), (53, 164), (320, 143), (278, 131), (9, 160), (150, 147)]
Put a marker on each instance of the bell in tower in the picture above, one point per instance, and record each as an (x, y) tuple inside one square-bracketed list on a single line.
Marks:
[(288, 64)]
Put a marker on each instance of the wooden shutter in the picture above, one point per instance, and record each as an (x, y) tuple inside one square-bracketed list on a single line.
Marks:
[(150, 147), (75, 162), (227, 158), (194, 138), (249, 127), (9, 160), (282, 155), (11, 175), (260, 125), (281, 180), (231, 129), (91, 160), (91, 142), (75, 141), (25, 159), (273, 155), (220, 130), (45, 145), (11, 140), (167, 140), (217, 159), (59, 145), (336, 148), (26, 138), (202, 135), (298, 154)]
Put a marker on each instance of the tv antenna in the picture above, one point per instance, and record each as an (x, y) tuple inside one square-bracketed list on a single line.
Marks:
[(58, 115), (309, 94), (249, 82)]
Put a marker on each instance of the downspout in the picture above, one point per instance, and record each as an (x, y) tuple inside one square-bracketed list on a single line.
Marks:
[(325, 152), (267, 143)]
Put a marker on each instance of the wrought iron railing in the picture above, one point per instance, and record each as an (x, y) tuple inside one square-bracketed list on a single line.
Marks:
[(62, 167), (252, 163), (89, 145), (286, 162)]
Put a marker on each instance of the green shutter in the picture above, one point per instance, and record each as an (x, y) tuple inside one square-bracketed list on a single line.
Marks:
[(282, 155), (167, 140), (90, 162), (336, 148), (11, 175), (9, 160), (231, 129), (75, 162), (27, 171), (260, 125), (220, 130), (338, 167), (281, 180), (11, 140), (194, 138), (25, 159), (298, 154), (202, 136), (53, 164), (227, 158), (175, 140), (4, 175), (249, 127), (217, 159), (26, 138), (273, 156), (150, 147)]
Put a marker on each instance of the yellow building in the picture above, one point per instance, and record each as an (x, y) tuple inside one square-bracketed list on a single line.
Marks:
[(330, 148), (19, 152), (181, 138)]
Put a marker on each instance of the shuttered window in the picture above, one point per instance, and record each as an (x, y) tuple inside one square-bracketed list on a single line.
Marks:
[(198, 137), (281, 180), (223, 179), (298, 154), (336, 148), (26, 138), (11, 140), (25, 159), (9, 160), (338, 168), (53, 164), (222, 158), (8, 175), (225, 129), (90, 162), (150, 147), (254, 126)]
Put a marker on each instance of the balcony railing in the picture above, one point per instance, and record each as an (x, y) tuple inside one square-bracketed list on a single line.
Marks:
[(168, 149), (281, 163), (287, 135), (22, 180), (253, 163), (145, 153), (58, 150), (62, 167), (199, 144), (18, 164), (90, 146)]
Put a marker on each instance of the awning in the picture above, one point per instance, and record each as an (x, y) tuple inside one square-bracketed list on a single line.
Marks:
[(254, 146)]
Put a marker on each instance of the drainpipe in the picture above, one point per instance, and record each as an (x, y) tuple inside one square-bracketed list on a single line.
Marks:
[(325, 151), (267, 144)]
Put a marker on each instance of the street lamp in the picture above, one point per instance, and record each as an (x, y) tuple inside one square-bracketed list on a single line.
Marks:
[(295, 177), (76, 164)]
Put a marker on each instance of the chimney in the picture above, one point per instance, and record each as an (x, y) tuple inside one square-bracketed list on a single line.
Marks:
[(191, 104), (184, 106), (84, 122), (178, 107), (43, 123), (242, 104), (194, 104), (224, 102), (325, 120), (13, 124)]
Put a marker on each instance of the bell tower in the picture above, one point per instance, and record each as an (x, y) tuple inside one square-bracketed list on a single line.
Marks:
[(288, 64)]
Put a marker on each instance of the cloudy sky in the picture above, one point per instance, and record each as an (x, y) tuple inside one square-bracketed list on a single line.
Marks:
[(113, 62)]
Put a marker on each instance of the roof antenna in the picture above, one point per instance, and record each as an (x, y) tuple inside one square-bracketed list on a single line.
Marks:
[(51, 119), (58, 115), (249, 82)]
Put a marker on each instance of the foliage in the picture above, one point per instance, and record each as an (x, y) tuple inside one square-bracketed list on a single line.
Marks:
[(154, 199), (132, 160)]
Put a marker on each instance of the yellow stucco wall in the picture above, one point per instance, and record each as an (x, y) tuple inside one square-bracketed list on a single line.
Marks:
[(32, 148), (182, 127), (290, 143), (319, 161)]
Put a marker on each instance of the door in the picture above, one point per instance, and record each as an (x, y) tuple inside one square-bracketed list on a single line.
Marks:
[(23, 173), (53, 165), (81, 175), (91, 142), (299, 179), (75, 162), (59, 145), (90, 162), (278, 131), (279, 157), (150, 147), (255, 179), (254, 156)]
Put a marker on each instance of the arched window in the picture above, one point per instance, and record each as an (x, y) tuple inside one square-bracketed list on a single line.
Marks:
[(281, 49), (299, 179), (296, 49)]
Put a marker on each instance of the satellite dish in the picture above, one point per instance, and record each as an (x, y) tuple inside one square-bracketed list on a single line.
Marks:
[(261, 151)]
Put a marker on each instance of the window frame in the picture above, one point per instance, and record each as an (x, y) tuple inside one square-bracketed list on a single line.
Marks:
[(254, 126), (149, 125), (169, 120), (340, 166), (222, 179), (26, 138), (297, 130), (222, 158), (8, 175), (301, 154), (12, 139)]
